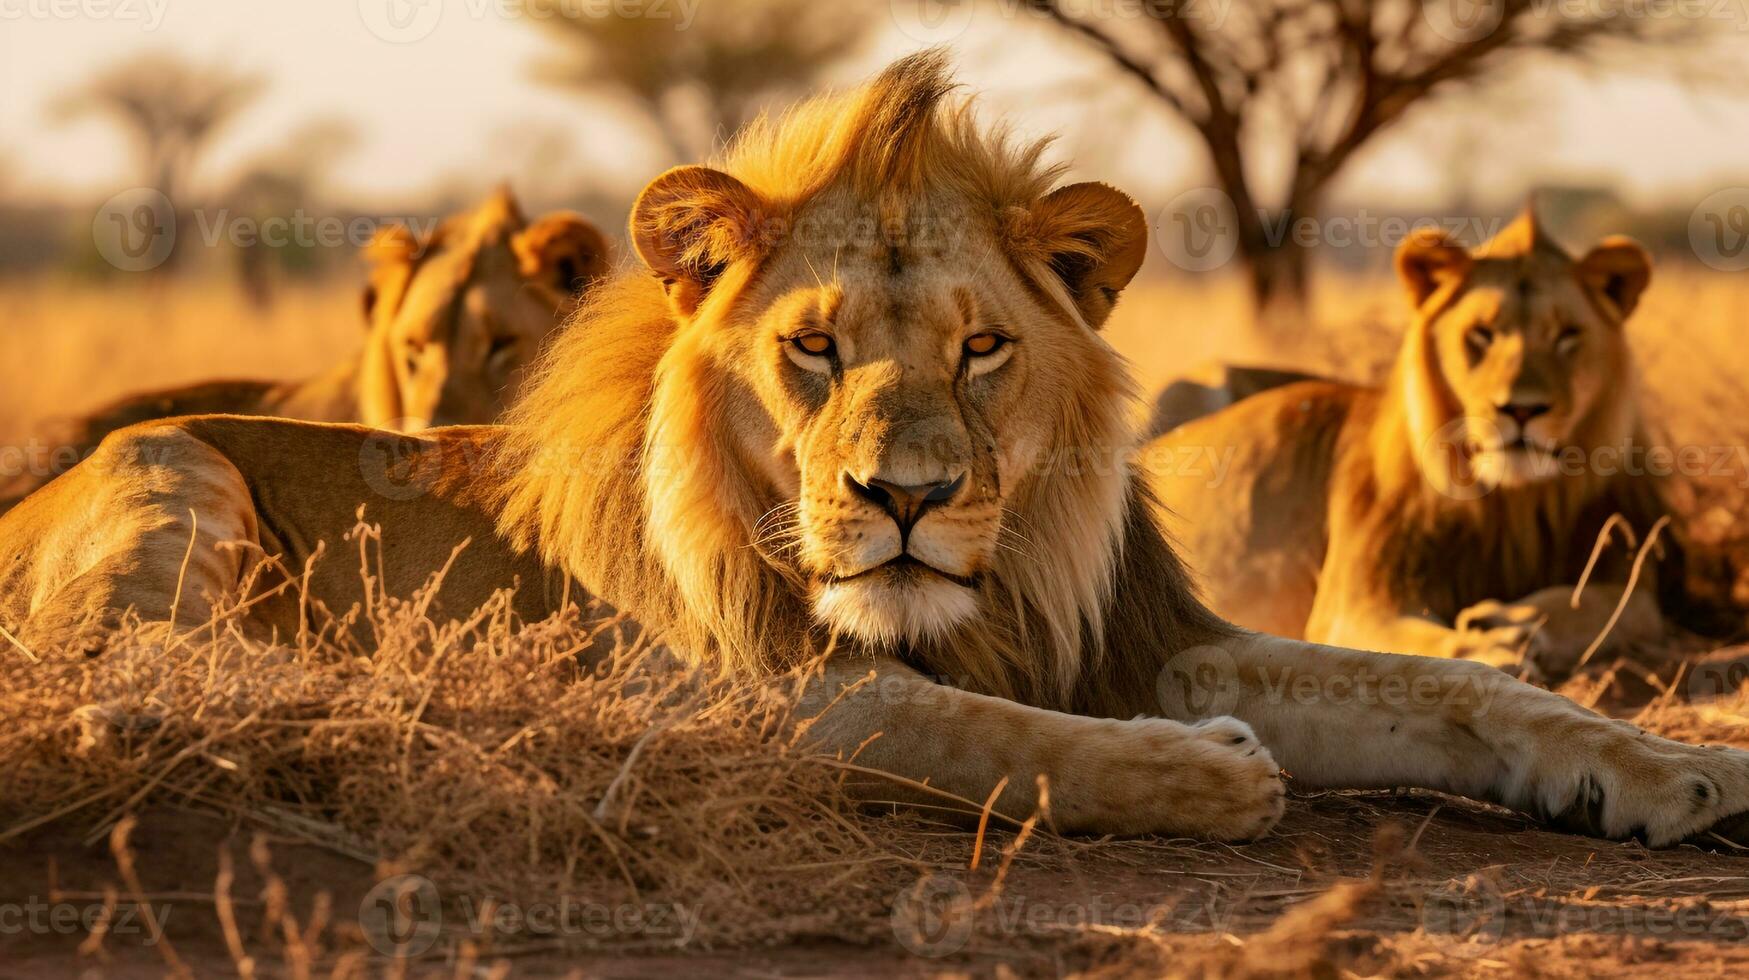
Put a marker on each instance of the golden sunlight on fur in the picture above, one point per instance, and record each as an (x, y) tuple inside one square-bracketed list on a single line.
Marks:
[(823, 220)]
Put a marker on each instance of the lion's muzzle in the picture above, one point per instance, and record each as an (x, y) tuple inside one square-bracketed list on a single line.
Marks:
[(906, 505)]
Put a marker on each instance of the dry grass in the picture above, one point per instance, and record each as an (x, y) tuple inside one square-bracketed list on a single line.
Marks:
[(275, 786), (499, 761), (71, 346)]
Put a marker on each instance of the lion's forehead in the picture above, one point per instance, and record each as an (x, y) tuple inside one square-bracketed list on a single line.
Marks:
[(454, 292), (1538, 301), (915, 313)]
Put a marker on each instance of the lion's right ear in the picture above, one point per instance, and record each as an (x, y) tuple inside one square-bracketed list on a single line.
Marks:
[(689, 225), (564, 251), (390, 254), (1427, 260), (1618, 270)]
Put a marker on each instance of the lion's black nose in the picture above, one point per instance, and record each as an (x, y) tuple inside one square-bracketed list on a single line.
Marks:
[(905, 504), (1523, 412)]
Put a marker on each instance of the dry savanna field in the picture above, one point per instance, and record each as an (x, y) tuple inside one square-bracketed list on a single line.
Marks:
[(197, 806)]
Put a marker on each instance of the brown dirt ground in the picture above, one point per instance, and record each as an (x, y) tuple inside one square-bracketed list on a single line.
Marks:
[(1395, 884)]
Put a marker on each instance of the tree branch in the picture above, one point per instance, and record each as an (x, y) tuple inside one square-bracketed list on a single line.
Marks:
[(1113, 51)]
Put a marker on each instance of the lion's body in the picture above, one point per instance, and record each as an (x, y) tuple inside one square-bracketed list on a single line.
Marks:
[(766, 465), (1251, 519), (443, 300), (112, 534), (1340, 515)]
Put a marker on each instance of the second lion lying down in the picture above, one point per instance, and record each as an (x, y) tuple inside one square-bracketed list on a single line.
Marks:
[(454, 319), (1452, 512), (836, 415)]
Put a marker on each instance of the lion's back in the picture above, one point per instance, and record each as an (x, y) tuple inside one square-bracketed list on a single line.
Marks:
[(1245, 493), (61, 444)]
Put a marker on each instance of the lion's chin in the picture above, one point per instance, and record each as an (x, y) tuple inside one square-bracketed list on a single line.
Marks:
[(1517, 466), (891, 609)]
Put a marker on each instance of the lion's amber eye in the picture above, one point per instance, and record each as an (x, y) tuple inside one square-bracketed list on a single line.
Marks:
[(1568, 341), (984, 344), (813, 344)]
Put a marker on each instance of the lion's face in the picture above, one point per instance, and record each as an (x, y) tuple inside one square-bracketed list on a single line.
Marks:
[(1526, 344), (897, 392), (454, 330)]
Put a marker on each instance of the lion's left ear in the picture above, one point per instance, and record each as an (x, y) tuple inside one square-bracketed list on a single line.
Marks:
[(690, 225), (563, 250), (1618, 271), (1093, 237)]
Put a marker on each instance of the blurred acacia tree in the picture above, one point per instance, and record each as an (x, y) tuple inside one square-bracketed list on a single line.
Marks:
[(698, 82), (170, 107), (289, 178), (1298, 87)]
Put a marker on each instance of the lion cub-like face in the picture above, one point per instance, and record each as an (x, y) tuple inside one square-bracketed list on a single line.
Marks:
[(897, 388), (1527, 345)]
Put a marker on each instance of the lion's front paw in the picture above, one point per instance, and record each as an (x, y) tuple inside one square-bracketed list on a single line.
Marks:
[(1662, 792), (1259, 792), (1709, 799), (1214, 780)]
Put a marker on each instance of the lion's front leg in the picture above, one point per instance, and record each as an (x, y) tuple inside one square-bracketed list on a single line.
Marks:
[(1346, 719), (1212, 779)]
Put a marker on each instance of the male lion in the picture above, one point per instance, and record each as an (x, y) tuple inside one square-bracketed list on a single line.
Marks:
[(454, 320), (857, 402), (1485, 470)]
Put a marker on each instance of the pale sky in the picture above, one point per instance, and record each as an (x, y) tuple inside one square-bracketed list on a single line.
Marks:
[(430, 109)]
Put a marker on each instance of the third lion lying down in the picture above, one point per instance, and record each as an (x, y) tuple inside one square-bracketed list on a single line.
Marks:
[(1452, 512)]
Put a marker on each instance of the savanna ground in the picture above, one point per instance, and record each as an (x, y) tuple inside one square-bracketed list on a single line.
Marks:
[(536, 815)]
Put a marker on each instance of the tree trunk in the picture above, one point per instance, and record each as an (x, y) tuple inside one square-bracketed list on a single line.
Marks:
[(1279, 259), (1279, 278)]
